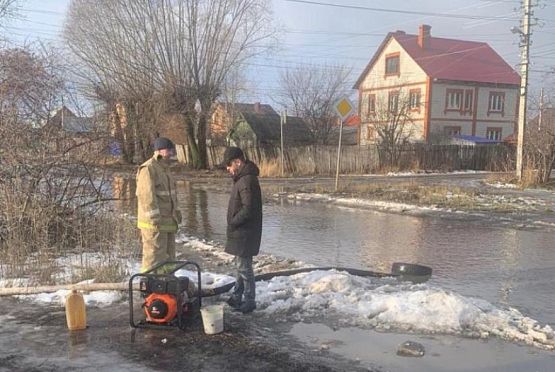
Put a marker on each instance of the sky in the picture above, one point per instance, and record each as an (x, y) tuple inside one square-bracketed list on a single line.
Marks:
[(348, 33)]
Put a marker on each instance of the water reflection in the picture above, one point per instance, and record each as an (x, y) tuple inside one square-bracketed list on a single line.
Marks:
[(504, 266), (196, 211)]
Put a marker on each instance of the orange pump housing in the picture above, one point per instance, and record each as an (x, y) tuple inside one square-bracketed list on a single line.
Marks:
[(170, 302)]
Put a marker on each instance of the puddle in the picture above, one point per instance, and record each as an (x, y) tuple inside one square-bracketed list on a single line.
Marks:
[(442, 352)]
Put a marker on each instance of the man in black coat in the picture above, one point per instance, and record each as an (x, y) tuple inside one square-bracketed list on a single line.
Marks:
[(244, 226)]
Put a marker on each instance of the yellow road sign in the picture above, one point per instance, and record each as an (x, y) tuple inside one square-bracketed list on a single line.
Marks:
[(344, 107)]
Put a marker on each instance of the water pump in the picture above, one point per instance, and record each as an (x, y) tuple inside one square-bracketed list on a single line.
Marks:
[(169, 300)]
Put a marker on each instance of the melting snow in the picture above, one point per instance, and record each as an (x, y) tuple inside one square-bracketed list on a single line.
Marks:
[(502, 185), (383, 303), (386, 304)]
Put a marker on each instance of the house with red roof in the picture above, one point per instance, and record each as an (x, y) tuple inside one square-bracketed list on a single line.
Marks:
[(453, 87)]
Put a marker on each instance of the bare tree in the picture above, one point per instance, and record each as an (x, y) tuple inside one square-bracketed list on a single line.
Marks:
[(540, 145), (8, 9), (310, 92), (48, 185), (392, 125), (170, 54), (222, 34), (116, 66)]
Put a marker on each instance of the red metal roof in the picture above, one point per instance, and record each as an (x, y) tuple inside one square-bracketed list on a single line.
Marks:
[(352, 121), (459, 60)]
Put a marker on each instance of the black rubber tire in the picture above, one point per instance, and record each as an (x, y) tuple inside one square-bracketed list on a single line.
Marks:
[(402, 268)]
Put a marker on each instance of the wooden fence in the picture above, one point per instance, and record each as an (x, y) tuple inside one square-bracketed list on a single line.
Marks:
[(321, 160)]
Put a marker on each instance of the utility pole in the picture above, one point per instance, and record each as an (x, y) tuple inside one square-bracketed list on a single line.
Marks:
[(62, 116), (282, 122), (541, 110), (525, 60), (136, 147)]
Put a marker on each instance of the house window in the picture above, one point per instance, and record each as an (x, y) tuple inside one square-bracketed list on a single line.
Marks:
[(414, 99), (393, 102), (369, 133), (494, 133), (392, 64), (371, 104), (468, 97), (496, 102), (454, 100), (452, 131)]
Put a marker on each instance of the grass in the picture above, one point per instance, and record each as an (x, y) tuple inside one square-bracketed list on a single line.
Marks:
[(504, 178), (448, 197), (110, 271), (270, 168), (104, 244)]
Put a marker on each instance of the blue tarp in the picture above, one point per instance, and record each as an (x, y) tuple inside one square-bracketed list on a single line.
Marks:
[(476, 139), (114, 148)]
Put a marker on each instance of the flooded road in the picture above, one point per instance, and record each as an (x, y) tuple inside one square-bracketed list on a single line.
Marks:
[(508, 267), (477, 257)]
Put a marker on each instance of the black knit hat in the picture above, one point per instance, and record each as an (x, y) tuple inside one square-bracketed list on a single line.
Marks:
[(230, 154), (163, 143)]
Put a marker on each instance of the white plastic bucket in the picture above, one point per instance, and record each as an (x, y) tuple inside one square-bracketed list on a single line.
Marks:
[(213, 319)]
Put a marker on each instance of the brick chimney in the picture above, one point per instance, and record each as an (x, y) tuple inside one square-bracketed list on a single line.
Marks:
[(257, 107), (424, 35)]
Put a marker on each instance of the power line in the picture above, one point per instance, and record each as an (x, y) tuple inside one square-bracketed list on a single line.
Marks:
[(42, 11), (410, 12)]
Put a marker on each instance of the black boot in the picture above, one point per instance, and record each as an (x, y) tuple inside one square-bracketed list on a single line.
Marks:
[(234, 302), (247, 307)]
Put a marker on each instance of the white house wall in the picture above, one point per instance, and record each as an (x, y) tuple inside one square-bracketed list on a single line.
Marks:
[(506, 121), (410, 72), (411, 76), (440, 118)]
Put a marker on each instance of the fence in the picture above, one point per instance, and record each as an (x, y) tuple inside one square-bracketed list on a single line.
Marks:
[(321, 160)]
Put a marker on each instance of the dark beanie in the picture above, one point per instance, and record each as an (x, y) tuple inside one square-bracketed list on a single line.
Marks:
[(232, 153), (163, 143)]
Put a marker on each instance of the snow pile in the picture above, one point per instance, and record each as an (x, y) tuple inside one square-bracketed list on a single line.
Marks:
[(360, 203), (381, 303), (494, 202), (263, 263), (207, 279), (388, 305), (205, 246), (502, 185), (421, 173), (14, 282), (105, 298), (95, 298)]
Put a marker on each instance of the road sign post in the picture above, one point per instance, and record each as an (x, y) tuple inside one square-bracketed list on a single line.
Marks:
[(343, 107)]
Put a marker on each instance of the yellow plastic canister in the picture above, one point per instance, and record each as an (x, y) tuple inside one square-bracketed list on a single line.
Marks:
[(76, 314)]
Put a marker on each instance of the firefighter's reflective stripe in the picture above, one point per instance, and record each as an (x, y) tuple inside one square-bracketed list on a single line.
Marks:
[(146, 225), (153, 213), (163, 227)]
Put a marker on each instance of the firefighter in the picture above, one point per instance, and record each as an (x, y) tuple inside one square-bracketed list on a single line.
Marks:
[(157, 216)]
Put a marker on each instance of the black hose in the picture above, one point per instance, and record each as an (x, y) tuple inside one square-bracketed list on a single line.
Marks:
[(208, 292)]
